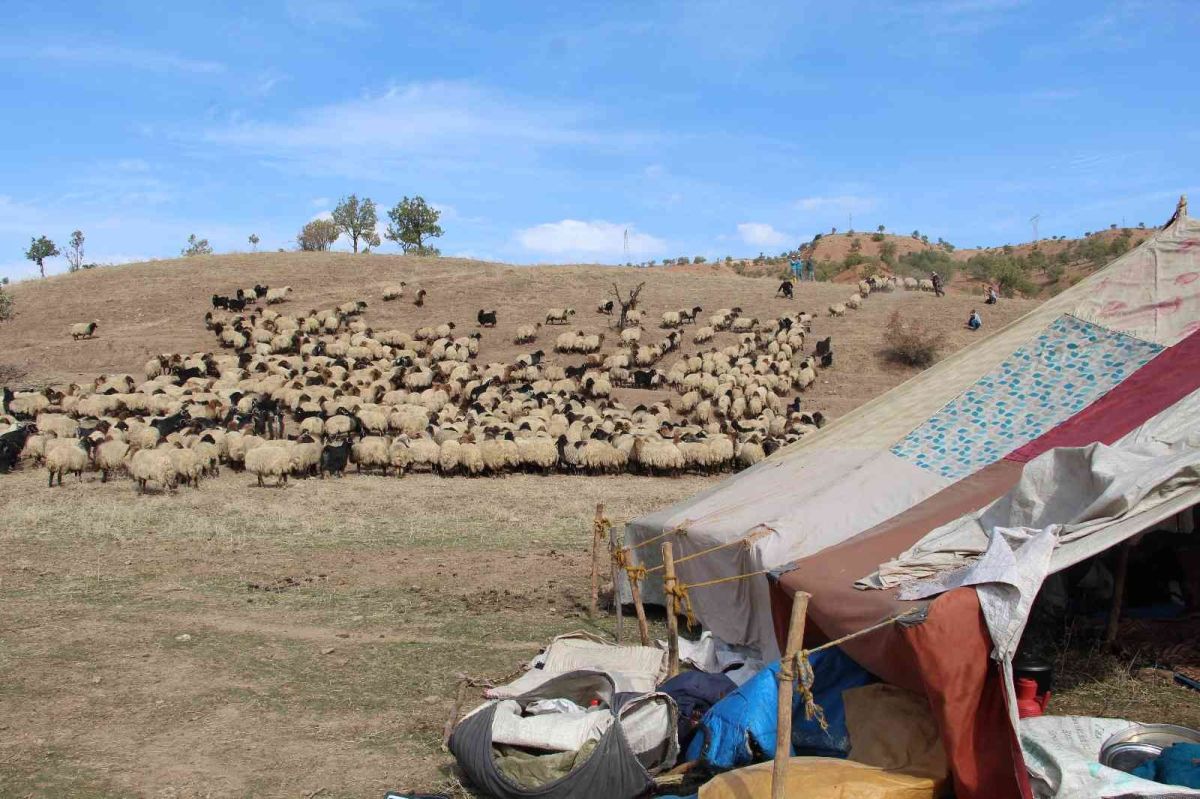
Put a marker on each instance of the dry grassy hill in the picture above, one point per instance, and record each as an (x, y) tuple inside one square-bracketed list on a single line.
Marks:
[(156, 307)]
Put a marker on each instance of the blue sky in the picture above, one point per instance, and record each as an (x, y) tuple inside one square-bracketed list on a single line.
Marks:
[(544, 131)]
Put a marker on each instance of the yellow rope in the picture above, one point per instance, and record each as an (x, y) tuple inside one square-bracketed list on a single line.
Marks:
[(673, 588), (702, 553), (680, 530), (811, 709), (720, 580)]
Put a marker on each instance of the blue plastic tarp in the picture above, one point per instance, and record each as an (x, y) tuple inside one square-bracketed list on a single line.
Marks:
[(740, 729)]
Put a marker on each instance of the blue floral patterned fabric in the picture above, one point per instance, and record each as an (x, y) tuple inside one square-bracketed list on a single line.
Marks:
[(1065, 369)]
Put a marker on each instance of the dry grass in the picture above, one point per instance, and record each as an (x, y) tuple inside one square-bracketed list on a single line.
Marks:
[(910, 342), (327, 622)]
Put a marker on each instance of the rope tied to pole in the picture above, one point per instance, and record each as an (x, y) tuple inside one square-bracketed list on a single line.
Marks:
[(673, 588), (812, 710), (680, 530)]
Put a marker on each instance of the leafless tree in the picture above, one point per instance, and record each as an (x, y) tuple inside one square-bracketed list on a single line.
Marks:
[(627, 303)]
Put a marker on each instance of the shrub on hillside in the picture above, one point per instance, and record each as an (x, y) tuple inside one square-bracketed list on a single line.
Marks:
[(876, 237), (919, 264), (910, 342), (7, 305)]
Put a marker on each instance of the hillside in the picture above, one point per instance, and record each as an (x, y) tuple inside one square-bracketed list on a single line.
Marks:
[(158, 307)]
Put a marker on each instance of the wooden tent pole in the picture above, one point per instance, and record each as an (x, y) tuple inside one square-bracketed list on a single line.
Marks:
[(669, 583), (614, 546), (1118, 596), (643, 626), (597, 528), (787, 678)]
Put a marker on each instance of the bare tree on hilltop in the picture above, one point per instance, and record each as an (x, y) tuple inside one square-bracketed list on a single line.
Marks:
[(627, 303)]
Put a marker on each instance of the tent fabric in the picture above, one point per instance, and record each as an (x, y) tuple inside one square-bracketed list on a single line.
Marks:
[(1075, 492), (842, 496), (633, 669), (1146, 393), (810, 496), (1058, 374)]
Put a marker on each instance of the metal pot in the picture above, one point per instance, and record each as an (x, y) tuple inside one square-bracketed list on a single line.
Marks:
[(1129, 748)]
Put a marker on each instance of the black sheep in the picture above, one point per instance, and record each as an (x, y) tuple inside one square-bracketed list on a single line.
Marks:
[(486, 318), (334, 458), (824, 346), (260, 291)]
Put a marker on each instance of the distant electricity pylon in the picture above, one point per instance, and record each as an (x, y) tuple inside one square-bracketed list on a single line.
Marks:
[(626, 245), (1034, 221)]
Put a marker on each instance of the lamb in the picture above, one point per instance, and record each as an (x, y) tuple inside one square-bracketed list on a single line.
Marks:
[(70, 455), (83, 330), (837, 309), (526, 334), (152, 465), (278, 295), (394, 292), (558, 316), (272, 460)]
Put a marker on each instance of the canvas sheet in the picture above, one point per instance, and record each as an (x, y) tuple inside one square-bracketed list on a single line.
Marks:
[(1062, 754), (634, 669), (1063, 370), (797, 508)]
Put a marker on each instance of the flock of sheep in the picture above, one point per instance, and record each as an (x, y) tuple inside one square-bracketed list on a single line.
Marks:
[(307, 394)]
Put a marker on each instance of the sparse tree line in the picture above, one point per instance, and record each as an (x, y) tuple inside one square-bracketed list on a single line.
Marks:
[(413, 223)]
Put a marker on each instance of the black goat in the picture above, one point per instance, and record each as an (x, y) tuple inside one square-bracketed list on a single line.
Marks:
[(220, 302), (334, 458), (171, 424), (785, 288), (824, 346), (486, 318), (11, 444), (260, 291), (643, 378)]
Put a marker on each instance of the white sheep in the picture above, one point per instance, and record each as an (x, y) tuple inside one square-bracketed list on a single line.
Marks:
[(371, 451), (854, 302), (152, 465), (275, 461), (703, 335), (84, 330), (187, 465), (558, 316), (110, 456), (278, 295), (394, 292), (526, 333), (837, 309), (67, 455), (670, 319)]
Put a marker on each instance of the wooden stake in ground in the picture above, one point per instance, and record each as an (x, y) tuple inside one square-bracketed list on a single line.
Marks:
[(787, 678), (1118, 595), (643, 626), (614, 546), (597, 531), (669, 583)]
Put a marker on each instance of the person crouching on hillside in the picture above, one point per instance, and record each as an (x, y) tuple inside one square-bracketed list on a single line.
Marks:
[(974, 322), (992, 296)]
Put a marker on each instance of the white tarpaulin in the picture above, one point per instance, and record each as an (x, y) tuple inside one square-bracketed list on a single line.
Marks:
[(1062, 754)]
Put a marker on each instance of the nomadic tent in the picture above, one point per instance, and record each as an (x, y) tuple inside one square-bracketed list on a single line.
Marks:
[(1021, 455)]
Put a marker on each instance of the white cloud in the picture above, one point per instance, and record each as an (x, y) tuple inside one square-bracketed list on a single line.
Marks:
[(595, 238), (760, 234), (440, 124), (320, 202), (115, 56), (841, 203)]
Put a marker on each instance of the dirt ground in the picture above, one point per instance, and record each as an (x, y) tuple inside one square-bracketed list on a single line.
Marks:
[(305, 641)]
